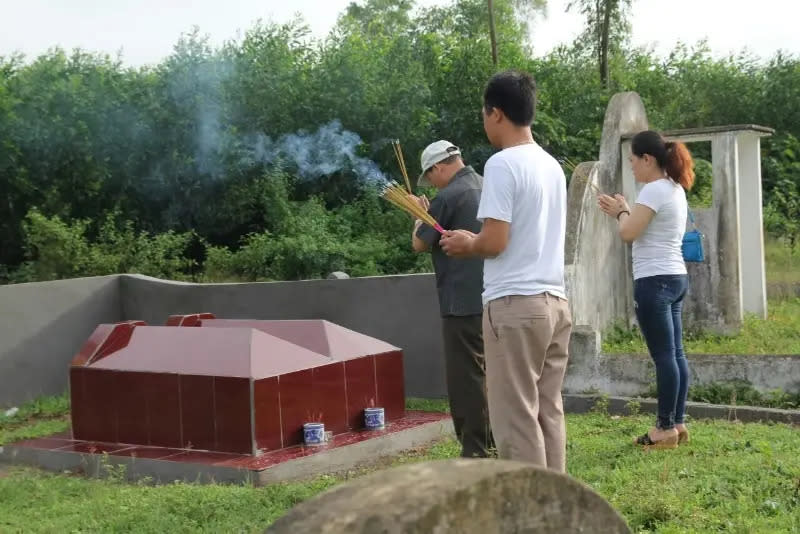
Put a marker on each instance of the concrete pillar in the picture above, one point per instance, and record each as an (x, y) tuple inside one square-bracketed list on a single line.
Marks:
[(725, 190), (751, 242), (630, 188)]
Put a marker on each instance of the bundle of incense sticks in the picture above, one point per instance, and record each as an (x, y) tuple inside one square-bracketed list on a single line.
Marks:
[(398, 196), (398, 153), (568, 163)]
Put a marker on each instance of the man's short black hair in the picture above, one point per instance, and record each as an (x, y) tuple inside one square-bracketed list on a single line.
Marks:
[(514, 93)]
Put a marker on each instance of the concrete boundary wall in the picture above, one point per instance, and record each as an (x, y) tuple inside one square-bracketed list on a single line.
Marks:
[(634, 374), (42, 325)]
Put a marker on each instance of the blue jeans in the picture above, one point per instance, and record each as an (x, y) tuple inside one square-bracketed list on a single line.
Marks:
[(658, 301)]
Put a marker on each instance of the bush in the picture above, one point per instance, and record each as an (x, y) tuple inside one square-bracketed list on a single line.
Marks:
[(56, 249)]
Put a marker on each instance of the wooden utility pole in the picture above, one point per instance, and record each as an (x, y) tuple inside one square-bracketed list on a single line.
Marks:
[(492, 33), (604, 38)]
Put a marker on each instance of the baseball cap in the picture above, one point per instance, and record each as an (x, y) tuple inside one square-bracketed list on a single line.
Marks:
[(433, 154)]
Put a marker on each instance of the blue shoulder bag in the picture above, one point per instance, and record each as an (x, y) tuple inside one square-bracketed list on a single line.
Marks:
[(692, 246)]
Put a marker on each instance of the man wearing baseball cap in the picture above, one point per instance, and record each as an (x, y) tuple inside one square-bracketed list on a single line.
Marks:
[(459, 283)]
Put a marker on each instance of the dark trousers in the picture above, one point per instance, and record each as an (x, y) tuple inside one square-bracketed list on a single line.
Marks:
[(659, 301), (466, 384)]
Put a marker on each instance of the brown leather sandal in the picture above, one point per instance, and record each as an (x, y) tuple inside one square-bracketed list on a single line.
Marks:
[(647, 442)]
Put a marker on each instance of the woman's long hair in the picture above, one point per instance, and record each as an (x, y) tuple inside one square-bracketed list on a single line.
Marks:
[(673, 157)]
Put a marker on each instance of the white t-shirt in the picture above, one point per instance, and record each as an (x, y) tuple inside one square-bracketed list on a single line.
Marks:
[(658, 249), (526, 187)]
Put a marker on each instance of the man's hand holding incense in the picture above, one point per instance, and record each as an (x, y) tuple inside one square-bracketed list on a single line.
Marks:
[(457, 243)]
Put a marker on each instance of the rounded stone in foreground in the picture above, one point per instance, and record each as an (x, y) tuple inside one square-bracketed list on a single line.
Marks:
[(338, 275), (456, 496)]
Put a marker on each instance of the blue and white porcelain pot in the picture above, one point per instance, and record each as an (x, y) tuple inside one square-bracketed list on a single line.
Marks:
[(373, 418), (314, 433)]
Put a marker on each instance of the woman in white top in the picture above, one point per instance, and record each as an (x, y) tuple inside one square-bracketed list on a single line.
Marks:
[(656, 225)]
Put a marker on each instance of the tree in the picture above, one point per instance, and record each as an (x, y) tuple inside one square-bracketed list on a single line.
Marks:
[(492, 35), (523, 9), (606, 28)]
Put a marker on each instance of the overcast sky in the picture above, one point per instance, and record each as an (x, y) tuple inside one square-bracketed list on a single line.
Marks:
[(146, 30)]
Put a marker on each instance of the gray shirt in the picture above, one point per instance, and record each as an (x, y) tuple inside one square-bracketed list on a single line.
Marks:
[(458, 281)]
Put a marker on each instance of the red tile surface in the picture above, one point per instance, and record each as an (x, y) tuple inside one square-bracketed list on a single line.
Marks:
[(232, 415), (254, 463), (78, 412), (322, 337), (297, 405), (329, 397), (131, 403), (390, 384), (346, 344), (193, 319), (309, 334), (203, 457), (411, 420), (90, 346), (267, 414), (195, 388), (90, 447), (272, 356), (361, 392), (192, 351), (197, 412), (98, 412), (117, 340), (162, 392), (150, 453), (47, 443)]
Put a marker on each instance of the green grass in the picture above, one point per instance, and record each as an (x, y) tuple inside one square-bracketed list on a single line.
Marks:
[(778, 334), (428, 405), (41, 417), (737, 393), (732, 478), (782, 263)]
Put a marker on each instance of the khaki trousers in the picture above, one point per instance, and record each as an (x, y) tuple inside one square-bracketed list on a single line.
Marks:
[(526, 340)]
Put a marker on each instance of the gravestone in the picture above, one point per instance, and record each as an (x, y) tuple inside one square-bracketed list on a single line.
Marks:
[(456, 496), (730, 282)]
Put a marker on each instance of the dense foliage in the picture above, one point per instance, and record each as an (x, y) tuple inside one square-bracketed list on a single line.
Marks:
[(261, 159)]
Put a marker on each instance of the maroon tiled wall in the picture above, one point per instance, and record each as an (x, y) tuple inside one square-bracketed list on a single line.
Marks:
[(165, 410)]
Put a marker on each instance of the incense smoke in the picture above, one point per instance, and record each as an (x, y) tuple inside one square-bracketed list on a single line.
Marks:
[(329, 150), (220, 147)]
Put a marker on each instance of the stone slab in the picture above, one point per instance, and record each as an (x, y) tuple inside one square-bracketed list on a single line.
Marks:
[(236, 470), (467, 496)]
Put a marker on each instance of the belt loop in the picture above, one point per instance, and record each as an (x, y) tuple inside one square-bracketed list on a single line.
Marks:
[(507, 299)]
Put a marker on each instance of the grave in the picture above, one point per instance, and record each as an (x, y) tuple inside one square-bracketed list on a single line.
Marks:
[(215, 399), (729, 283)]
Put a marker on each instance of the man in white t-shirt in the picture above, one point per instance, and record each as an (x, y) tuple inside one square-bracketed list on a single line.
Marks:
[(526, 318)]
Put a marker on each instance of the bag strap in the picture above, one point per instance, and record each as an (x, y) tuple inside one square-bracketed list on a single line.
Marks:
[(691, 216)]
